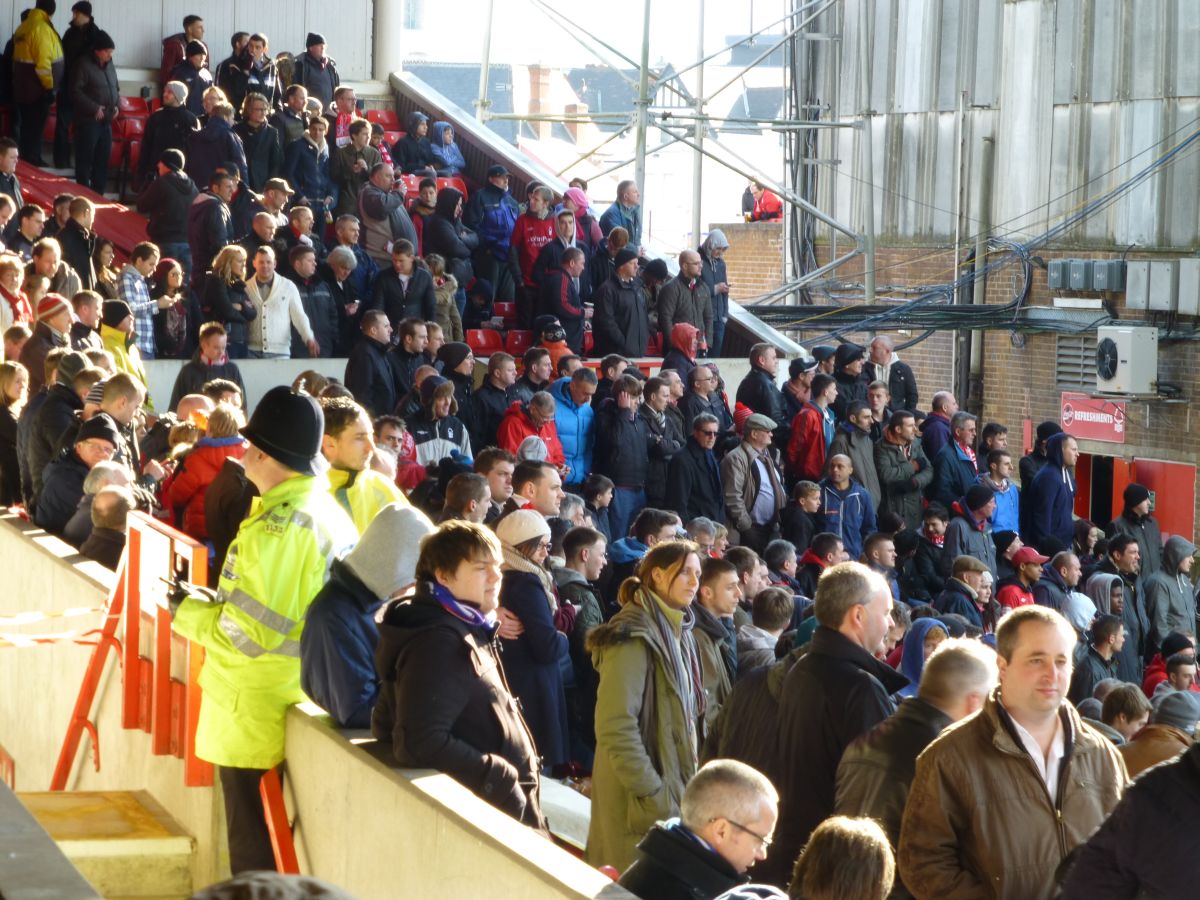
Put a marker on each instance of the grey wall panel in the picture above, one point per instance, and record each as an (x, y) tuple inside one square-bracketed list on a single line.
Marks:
[(1138, 216), (1107, 42), (1147, 42)]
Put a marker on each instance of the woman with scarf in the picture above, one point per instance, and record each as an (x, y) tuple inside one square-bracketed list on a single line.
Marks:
[(14, 305), (534, 661), (444, 702), (649, 701), (170, 323)]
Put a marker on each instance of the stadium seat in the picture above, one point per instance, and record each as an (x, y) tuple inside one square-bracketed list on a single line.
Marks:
[(506, 311), (385, 117), (484, 342), (390, 137), (517, 342), (457, 183), (589, 342), (133, 107), (132, 128), (654, 348)]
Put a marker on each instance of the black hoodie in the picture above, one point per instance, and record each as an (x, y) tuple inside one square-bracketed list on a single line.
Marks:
[(446, 236), (445, 704), (167, 201)]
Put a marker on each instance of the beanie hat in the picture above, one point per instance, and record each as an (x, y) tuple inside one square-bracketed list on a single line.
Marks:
[(1179, 709), (906, 541), (1003, 540), (657, 268), (1090, 708), (313, 39), (1047, 430), (1173, 643), (70, 365), (103, 41), (385, 557), (114, 312), (578, 197), (481, 287), (50, 306), (95, 394), (82, 6), (452, 354), (520, 526), (977, 496), (99, 427), (428, 386), (172, 159), (624, 255), (741, 413), (288, 426), (1135, 494), (195, 48), (846, 354), (533, 449), (822, 352), (717, 239)]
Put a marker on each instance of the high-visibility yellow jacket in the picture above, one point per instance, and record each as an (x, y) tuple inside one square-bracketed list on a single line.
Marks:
[(37, 58), (126, 356), (363, 494), (276, 565)]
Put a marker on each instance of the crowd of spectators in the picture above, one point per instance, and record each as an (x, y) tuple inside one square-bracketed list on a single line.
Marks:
[(600, 574)]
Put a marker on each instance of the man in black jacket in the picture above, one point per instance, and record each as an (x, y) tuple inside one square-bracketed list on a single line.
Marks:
[(621, 323), (368, 375), (57, 413), (405, 291), (623, 446), (78, 240), (316, 71), (318, 302), (694, 475), (409, 354), (210, 224), (62, 486), (95, 95), (168, 128), (761, 394), (838, 691), (493, 399), (728, 812), (1106, 638), (165, 201), (668, 439), (877, 770), (848, 373), (883, 365), (261, 141)]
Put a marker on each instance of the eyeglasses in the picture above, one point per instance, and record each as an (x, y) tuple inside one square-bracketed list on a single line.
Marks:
[(544, 545), (708, 433), (764, 841)]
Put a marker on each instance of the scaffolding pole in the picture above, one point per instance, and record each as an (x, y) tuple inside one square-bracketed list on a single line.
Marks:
[(868, 179), (698, 133), (482, 104), (643, 107)]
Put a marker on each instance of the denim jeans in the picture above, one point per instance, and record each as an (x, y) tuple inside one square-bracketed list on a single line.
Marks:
[(625, 506)]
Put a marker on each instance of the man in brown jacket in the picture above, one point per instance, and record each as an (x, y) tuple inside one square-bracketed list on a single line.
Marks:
[(1173, 732), (1001, 798)]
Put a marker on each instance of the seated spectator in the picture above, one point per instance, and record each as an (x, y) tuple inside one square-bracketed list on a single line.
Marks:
[(337, 646), (1171, 732), (727, 815), (448, 159), (597, 494), (62, 485), (106, 543), (413, 152), (437, 430), (184, 490), (1018, 590), (845, 858), (437, 706), (210, 361), (968, 532), (770, 615)]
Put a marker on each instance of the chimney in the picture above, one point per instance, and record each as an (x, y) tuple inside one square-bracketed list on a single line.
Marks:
[(576, 128), (539, 99)]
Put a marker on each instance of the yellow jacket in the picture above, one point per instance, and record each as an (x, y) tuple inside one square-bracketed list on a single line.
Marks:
[(276, 565), (37, 58), (363, 494), (126, 356)]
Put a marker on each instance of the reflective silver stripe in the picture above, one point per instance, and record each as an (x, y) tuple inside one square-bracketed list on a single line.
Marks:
[(264, 615), (247, 645), (322, 536)]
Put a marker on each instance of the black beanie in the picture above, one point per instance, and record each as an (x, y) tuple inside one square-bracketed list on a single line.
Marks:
[(1173, 643), (1003, 540), (114, 312), (1135, 494), (978, 496), (288, 426), (452, 354), (1047, 430)]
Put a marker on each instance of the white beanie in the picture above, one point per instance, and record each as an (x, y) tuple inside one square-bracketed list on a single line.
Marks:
[(533, 449), (385, 558), (520, 526)]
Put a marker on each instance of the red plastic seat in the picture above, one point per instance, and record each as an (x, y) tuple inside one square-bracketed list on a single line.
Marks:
[(517, 342), (390, 137), (385, 117), (48, 131), (484, 341), (132, 128), (506, 311), (654, 348), (589, 342), (457, 183), (133, 107), (411, 184)]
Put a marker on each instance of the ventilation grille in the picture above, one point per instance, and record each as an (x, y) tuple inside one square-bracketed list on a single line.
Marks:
[(1075, 362)]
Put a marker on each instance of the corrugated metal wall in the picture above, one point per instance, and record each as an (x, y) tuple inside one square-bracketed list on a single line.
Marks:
[(138, 26), (1078, 95)]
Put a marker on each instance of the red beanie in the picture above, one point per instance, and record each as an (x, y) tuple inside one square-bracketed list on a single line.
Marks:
[(741, 413), (51, 305)]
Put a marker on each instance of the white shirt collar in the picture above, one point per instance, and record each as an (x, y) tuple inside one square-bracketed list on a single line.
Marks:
[(1047, 765)]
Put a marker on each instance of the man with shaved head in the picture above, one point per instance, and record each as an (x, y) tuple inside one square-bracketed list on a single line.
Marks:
[(847, 510), (884, 365), (685, 298)]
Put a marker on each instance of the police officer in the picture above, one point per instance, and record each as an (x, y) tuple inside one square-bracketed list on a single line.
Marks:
[(251, 628)]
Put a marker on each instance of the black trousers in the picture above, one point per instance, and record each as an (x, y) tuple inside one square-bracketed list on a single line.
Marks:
[(245, 821), (29, 132), (756, 537)]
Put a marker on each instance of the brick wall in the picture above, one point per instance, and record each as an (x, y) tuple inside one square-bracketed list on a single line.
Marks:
[(754, 260)]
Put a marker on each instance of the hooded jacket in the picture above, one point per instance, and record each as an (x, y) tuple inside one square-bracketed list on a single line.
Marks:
[(575, 431), (213, 146), (912, 660), (445, 235), (517, 425), (967, 535), (1052, 499), (448, 158), (411, 153), (1129, 657), (1167, 594), (979, 821), (444, 703), (852, 441), (1144, 530), (623, 445), (848, 513)]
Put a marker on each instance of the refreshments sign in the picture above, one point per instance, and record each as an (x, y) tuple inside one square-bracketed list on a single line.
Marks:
[(1093, 418)]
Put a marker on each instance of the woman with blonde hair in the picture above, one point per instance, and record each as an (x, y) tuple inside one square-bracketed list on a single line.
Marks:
[(445, 286), (14, 305), (225, 299), (845, 859), (14, 390), (648, 703)]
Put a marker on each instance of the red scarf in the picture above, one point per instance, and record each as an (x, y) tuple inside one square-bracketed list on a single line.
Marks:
[(21, 310)]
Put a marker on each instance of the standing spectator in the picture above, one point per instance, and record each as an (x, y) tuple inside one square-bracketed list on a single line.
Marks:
[(225, 300), (846, 508), (216, 146), (343, 115), (31, 220), (171, 321), (1121, 566), (767, 205), (292, 121), (78, 241), (754, 493), (1106, 638), (10, 185), (192, 74), (436, 429), (561, 295), (347, 446), (279, 310), (209, 362), (1031, 464), (853, 439), (574, 421), (174, 47), (446, 236), (37, 62), (935, 430), (797, 390), (665, 435), (77, 42), (1059, 580), (835, 693), (317, 301), (623, 444), (346, 230), (14, 305), (955, 468), (95, 97), (53, 326), (621, 323), (626, 212), (258, 74), (368, 375), (1169, 598), (338, 271), (405, 291), (715, 634), (492, 214), (351, 165), (1018, 591), (409, 354), (1137, 522), (848, 372), (647, 705), (260, 142), (998, 477), (135, 292), (532, 230), (876, 771), (1053, 494), (969, 532), (494, 397), (685, 298), (813, 431), (438, 706), (383, 215), (166, 201), (315, 71), (845, 858), (47, 261), (694, 486), (712, 272), (760, 393), (884, 365), (903, 469), (210, 225), (533, 661), (958, 833), (62, 479), (534, 418), (278, 574), (539, 370), (603, 261)]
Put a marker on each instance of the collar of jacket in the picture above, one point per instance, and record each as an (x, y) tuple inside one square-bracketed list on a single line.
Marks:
[(708, 622), (830, 642), (354, 586), (673, 848), (290, 492), (914, 709), (1005, 737), (961, 509), (953, 584)]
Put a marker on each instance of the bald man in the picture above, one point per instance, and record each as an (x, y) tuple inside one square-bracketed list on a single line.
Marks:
[(884, 365), (685, 298)]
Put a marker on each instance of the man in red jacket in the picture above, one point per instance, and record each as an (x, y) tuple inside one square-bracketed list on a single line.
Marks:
[(532, 419), (767, 205), (812, 431)]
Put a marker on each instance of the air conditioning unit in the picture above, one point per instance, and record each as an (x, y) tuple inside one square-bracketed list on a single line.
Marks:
[(1127, 359)]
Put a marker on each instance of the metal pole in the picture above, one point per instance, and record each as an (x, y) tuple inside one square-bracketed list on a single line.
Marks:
[(987, 153), (960, 362), (868, 175), (643, 108), (482, 104), (698, 133)]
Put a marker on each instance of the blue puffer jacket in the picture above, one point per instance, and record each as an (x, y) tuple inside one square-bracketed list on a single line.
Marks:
[(1052, 498), (1007, 516), (850, 514), (449, 158), (575, 431)]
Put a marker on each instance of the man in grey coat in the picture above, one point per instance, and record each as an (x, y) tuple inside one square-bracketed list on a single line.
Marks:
[(903, 469), (853, 439), (685, 298), (384, 218), (1168, 596)]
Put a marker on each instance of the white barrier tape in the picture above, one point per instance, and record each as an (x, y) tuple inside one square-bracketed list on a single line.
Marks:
[(28, 618)]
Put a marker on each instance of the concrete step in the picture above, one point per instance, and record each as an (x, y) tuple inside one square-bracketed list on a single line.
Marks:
[(122, 842)]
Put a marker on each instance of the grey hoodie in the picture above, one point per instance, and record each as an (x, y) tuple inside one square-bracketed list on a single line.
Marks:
[(1170, 603)]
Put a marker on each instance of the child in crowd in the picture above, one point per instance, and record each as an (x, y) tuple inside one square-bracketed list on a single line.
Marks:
[(445, 286), (797, 519), (198, 465), (597, 495)]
